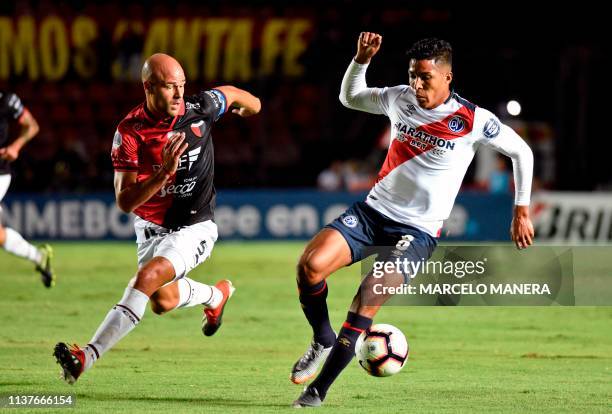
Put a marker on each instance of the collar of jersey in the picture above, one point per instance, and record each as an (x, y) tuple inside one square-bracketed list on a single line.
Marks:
[(159, 122), (450, 96), (444, 105)]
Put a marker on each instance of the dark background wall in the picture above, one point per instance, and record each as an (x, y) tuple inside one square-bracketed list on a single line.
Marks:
[(553, 60)]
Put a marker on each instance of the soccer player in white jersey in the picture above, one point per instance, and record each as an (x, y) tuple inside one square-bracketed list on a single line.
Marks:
[(435, 134)]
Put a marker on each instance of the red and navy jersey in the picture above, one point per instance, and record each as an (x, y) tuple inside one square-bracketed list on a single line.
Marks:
[(11, 109), (430, 150), (189, 196)]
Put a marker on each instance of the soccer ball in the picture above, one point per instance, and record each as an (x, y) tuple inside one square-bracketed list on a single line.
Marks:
[(382, 350)]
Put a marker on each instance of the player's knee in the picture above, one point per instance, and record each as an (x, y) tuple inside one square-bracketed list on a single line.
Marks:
[(310, 270), (148, 279)]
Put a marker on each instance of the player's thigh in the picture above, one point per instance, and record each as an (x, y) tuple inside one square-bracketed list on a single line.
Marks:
[(327, 252), (404, 249), (188, 247), (146, 250)]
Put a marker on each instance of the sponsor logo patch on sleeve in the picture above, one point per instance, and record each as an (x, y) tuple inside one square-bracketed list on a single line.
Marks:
[(491, 128), (218, 99)]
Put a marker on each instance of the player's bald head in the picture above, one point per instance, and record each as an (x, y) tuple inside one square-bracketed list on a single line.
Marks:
[(164, 84), (162, 67)]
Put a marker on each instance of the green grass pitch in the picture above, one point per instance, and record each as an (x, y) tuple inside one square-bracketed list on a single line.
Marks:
[(462, 359)]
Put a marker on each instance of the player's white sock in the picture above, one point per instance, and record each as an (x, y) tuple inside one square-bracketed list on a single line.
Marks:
[(18, 246), (121, 319), (192, 293)]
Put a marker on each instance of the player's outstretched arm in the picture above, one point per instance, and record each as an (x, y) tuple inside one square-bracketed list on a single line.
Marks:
[(131, 193), (354, 91), (521, 229), (29, 129), (243, 103)]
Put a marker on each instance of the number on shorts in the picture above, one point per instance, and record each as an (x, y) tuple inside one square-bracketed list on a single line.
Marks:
[(200, 251)]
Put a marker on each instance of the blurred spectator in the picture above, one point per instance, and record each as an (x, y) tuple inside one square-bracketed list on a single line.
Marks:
[(302, 128), (330, 179), (351, 175), (128, 63), (358, 176), (70, 167)]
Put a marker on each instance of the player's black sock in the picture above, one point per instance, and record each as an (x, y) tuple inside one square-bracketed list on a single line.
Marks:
[(314, 304), (342, 352)]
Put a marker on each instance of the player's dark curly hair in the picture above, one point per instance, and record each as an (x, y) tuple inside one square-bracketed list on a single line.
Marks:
[(432, 48)]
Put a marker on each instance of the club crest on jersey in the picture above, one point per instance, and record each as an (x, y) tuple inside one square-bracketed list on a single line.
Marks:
[(491, 128), (456, 124), (196, 128), (350, 221)]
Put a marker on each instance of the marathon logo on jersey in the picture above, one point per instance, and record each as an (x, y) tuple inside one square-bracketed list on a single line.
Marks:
[(491, 128), (421, 139), (198, 128), (456, 124)]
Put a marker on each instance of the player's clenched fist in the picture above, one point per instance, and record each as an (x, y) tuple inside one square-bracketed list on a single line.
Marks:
[(172, 152), (367, 46)]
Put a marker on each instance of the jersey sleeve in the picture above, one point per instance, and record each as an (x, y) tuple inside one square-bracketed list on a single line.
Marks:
[(355, 93), (387, 96), (212, 103), (501, 138), (124, 152), (15, 107)]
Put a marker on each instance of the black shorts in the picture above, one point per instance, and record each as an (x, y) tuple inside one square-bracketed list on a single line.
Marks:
[(369, 232)]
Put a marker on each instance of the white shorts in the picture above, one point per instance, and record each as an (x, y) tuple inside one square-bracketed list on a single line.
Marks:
[(184, 248), (5, 182)]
